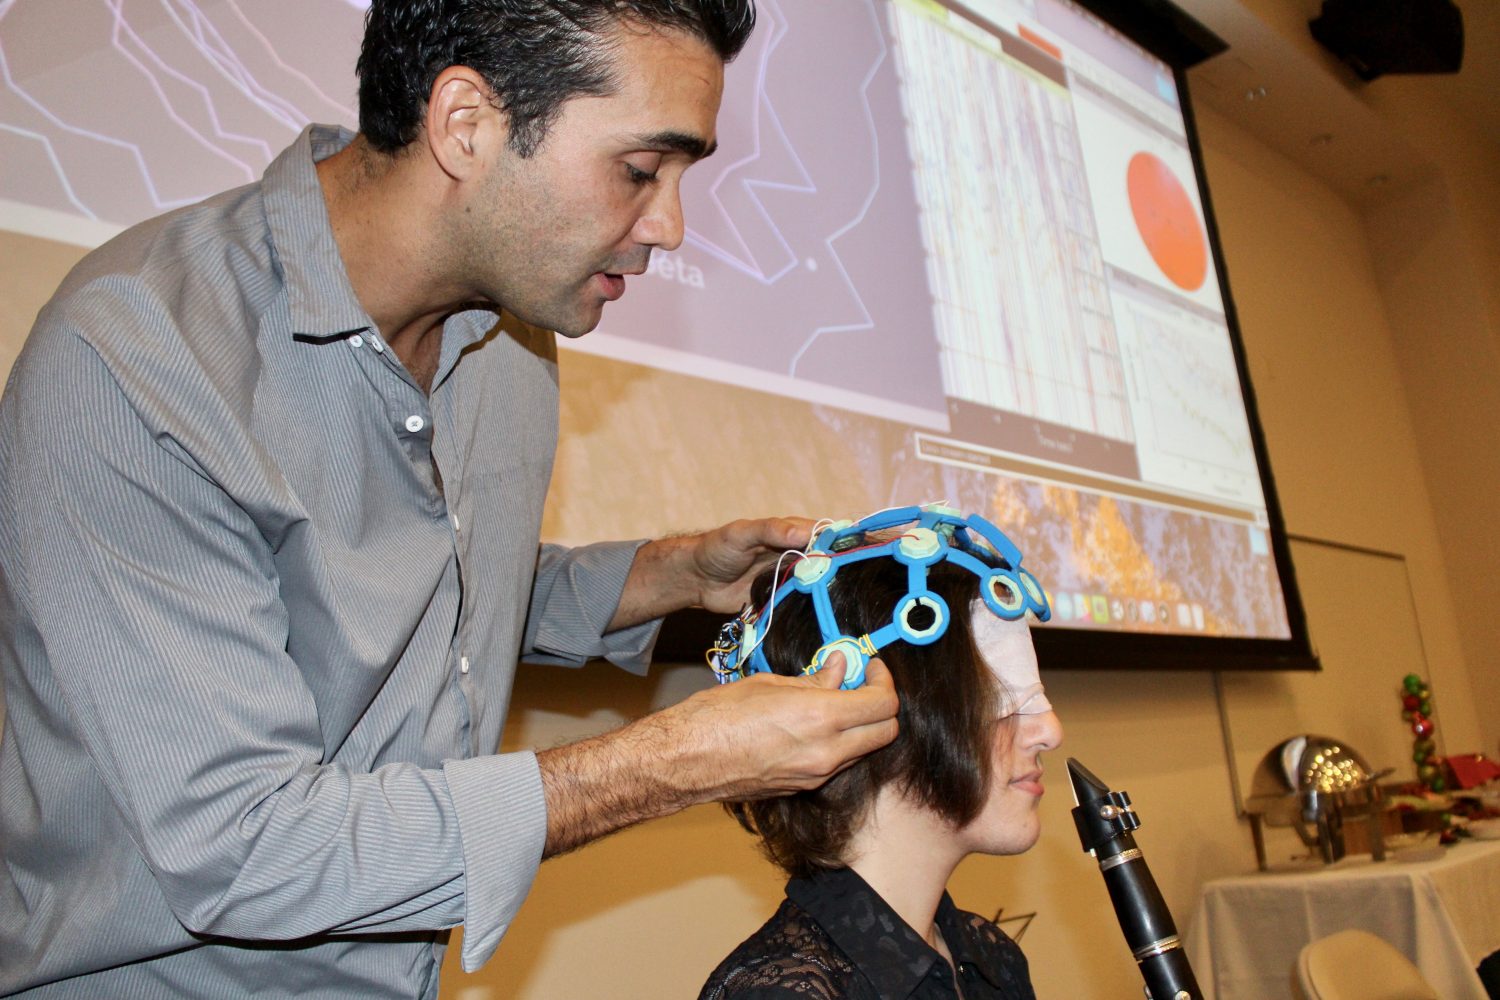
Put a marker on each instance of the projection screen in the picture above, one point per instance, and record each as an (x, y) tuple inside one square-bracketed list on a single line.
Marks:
[(947, 251)]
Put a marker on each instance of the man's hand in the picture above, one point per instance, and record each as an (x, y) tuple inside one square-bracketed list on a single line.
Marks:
[(712, 570), (762, 736)]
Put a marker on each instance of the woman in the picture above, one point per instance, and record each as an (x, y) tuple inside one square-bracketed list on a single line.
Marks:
[(944, 600)]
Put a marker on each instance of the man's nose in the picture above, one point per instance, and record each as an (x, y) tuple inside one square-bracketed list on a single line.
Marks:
[(662, 225)]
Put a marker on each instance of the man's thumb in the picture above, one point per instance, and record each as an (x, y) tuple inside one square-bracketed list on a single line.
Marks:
[(831, 675)]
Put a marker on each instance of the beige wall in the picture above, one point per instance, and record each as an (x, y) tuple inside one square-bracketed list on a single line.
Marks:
[(1437, 253), (1448, 347), (1435, 248), (31, 269)]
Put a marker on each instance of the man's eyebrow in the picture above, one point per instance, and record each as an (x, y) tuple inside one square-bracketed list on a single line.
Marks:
[(680, 142)]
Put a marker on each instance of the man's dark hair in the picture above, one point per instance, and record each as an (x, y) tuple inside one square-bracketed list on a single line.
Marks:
[(534, 54), (949, 703)]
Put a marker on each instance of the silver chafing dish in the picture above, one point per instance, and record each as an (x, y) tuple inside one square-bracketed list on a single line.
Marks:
[(1315, 785)]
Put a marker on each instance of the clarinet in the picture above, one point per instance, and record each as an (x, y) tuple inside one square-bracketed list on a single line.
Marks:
[(1104, 820)]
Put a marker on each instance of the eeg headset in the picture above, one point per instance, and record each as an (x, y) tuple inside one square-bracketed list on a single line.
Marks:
[(935, 533)]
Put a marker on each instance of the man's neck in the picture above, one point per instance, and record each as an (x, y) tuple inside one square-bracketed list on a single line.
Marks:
[(382, 210)]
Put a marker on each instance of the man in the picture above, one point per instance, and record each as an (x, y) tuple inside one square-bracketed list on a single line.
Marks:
[(272, 474)]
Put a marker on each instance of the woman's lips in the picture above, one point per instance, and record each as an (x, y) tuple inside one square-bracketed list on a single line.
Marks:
[(1031, 784)]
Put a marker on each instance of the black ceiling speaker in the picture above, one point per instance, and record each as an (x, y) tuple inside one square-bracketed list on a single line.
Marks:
[(1376, 37)]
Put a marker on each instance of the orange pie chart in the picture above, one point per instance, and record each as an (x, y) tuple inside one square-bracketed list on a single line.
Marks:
[(1167, 221)]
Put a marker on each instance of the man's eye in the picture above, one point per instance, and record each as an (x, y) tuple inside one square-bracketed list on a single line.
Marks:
[(639, 176)]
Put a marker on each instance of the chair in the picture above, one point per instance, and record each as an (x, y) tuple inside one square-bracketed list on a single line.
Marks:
[(1357, 965)]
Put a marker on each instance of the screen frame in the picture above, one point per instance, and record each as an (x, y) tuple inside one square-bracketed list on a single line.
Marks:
[(1181, 42)]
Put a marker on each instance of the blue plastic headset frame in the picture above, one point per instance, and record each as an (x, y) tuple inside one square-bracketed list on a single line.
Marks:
[(937, 533)]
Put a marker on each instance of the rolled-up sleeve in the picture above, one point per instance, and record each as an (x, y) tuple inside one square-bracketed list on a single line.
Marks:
[(576, 593)]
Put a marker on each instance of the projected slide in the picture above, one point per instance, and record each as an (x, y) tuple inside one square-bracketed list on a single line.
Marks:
[(946, 251)]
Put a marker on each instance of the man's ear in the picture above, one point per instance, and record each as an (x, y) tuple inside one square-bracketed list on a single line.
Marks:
[(462, 123)]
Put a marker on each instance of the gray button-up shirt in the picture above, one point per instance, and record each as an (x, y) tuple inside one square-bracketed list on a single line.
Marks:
[(261, 604)]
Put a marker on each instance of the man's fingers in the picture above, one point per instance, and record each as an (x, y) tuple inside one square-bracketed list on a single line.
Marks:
[(848, 747), (831, 675), (791, 532), (766, 537), (855, 743), (816, 729), (872, 702), (878, 677)]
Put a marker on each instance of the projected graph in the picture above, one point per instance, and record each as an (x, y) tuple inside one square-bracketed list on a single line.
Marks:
[(1021, 306), (1191, 394), (1167, 221)]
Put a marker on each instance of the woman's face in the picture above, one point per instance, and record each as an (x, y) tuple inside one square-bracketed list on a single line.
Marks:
[(1026, 726)]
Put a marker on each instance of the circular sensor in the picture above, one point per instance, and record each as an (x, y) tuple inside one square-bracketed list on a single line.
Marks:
[(920, 543), (922, 618), (854, 661), (812, 567), (1003, 593), (1033, 589)]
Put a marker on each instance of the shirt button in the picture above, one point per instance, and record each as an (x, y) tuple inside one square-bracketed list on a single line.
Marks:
[(356, 341), (415, 423), (463, 664), (457, 527)]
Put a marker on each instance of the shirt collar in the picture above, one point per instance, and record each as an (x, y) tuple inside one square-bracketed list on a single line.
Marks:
[(320, 298), (885, 948), (962, 942)]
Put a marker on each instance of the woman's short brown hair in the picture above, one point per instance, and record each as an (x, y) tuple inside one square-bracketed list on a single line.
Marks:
[(949, 704)]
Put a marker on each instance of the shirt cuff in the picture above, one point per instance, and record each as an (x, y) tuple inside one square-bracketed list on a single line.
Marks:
[(572, 629), (502, 824)]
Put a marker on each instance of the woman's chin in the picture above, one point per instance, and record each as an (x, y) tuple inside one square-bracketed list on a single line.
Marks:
[(1013, 837)]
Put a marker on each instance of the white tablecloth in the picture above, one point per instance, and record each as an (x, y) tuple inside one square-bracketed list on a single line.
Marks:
[(1443, 914)]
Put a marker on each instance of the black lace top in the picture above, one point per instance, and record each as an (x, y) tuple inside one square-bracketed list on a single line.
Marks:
[(834, 937)]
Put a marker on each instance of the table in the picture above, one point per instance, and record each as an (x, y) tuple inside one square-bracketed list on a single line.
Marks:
[(1443, 914)]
